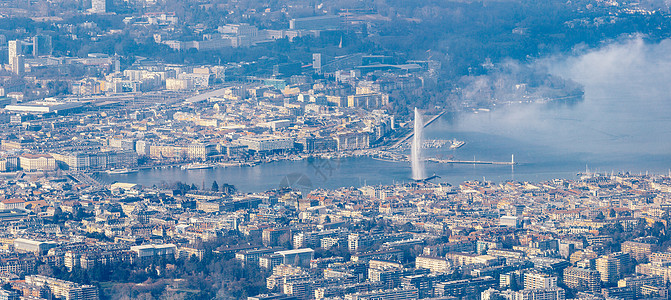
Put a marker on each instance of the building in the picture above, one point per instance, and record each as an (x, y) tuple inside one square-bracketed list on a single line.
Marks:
[(656, 291), (462, 259), (581, 279), (8, 295), (252, 256), (45, 107), (612, 267), (151, 251), (37, 162), (121, 143), (442, 249), (267, 143), (18, 64), (270, 261), (368, 101), (275, 236), (639, 281), (540, 294), (276, 296), (18, 264), (315, 23), (65, 290), (464, 288), (42, 45), (15, 57), (393, 294), (512, 280), (99, 6), (608, 269), (201, 151), (435, 264), (624, 293), (297, 257), (638, 251), (510, 221), (423, 283), (175, 84), (37, 247), (536, 281), (12, 204), (91, 258), (656, 268), (80, 161), (353, 140)]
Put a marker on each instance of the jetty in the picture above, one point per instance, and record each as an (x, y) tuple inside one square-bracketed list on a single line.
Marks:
[(409, 135), (472, 162)]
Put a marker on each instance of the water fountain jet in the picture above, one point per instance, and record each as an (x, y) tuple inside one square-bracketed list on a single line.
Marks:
[(416, 159)]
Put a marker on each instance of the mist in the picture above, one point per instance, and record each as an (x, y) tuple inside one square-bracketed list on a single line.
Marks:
[(622, 115)]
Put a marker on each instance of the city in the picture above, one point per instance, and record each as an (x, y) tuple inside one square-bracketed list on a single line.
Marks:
[(167, 149)]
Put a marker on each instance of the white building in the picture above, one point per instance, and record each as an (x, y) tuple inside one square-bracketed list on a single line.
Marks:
[(37, 162), (266, 143), (99, 6), (149, 251), (539, 281), (435, 264)]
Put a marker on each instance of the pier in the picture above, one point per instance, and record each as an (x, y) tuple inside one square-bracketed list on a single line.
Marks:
[(409, 135), (471, 162), (397, 157)]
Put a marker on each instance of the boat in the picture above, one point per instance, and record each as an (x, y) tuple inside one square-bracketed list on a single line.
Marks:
[(457, 144), (122, 171), (197, 166)]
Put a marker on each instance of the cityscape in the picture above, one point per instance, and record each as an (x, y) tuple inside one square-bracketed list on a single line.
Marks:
[(358, 150)]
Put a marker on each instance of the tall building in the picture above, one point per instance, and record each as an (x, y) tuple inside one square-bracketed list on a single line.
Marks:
[(317, 62), (18, 64), (612, 267), (41, 45), (14, 49), (607, 267), (99, 6), (16, 59), (512, 280)]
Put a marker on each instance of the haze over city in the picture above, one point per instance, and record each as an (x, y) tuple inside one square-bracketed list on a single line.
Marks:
[(299, 150)]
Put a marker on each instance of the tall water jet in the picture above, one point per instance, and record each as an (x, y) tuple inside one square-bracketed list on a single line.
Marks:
[(416, 160)]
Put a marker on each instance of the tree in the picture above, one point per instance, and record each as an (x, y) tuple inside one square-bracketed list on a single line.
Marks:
[(58, 215), (600, 216), (215, 186), (45, 270)]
